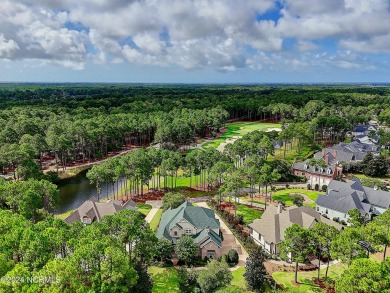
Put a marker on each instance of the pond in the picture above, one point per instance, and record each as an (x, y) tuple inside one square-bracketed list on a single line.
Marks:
[(74, 191)]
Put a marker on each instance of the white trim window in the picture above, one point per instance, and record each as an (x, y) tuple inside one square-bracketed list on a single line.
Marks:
[(188, 231), (86, 221)]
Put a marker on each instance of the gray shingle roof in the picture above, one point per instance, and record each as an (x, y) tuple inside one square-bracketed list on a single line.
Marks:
[(304, 167), (343, 197), (199, 217), (96, 210), (273, 225)]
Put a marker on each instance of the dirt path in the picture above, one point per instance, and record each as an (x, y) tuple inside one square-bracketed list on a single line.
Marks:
[(156, 205)]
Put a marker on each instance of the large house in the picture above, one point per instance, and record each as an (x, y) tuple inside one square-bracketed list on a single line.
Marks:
[(198, 222), (268, 231), (93, 211), (364, 129), (334, 158), (342, 197)]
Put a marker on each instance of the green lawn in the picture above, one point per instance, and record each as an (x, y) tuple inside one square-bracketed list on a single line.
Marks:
[(249, 214), (165, 279), (238, 278), (156, 220), (239, 129), (285, 195), (305, 278), (144, 208)]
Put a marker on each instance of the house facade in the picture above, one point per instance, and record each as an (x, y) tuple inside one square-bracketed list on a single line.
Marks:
[(335, 158), (341, 197), (198, 222), (93, 211), (268, 231)]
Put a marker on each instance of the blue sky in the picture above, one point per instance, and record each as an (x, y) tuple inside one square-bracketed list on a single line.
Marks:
[(186, 41)]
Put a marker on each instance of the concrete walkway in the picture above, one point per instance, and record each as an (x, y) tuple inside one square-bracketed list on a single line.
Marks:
[(230, 241), (156, 205)]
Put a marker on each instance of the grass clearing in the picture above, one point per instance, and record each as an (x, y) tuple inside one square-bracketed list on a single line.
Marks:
[(63, 216), (285, 195), (239, 129), (292, 152), (156, 220), (305, 278), (144, 208), (165, 279), (238, 278), (249, 214)]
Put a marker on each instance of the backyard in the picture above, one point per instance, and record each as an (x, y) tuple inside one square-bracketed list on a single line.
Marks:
[(165, 279), (305, 278), (285, 196)]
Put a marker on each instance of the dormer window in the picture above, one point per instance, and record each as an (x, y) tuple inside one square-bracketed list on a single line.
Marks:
[(329, 171), (86, 220), (188, 232), (305, 166), (353, 158)]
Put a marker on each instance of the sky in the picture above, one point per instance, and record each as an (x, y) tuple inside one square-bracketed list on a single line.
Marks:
[(195, 41)]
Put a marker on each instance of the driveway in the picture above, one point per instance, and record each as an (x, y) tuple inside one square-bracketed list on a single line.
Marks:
[(229, 241)]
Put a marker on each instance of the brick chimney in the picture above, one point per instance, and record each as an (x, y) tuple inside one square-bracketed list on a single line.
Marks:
[(327, 159), (323, 152)]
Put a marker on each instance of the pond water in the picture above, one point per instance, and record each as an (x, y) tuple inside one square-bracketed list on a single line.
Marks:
[(74, 191)]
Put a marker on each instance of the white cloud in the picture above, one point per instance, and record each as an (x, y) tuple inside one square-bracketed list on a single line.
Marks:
[(7, 47), (219, 34)]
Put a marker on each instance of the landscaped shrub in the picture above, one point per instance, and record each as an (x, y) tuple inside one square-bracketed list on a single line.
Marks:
[(316, 187), (324, 188), (336, 219), (240, 219), (308, 186), (233, 256)]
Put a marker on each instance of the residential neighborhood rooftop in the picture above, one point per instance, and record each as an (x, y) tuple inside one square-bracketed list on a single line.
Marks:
[(94, 210), (345, 196)]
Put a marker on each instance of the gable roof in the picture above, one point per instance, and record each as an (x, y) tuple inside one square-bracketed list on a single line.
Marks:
[(96, 210), (365, 128), (199, 217), (205, 236), (343, 197), (273, 225)]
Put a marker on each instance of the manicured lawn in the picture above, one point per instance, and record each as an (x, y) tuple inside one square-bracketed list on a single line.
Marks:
[(285, 195), (156, 220), (165, 279), (238, 278), (239, 129), (144, 208), (249, 214), (305, 278)]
